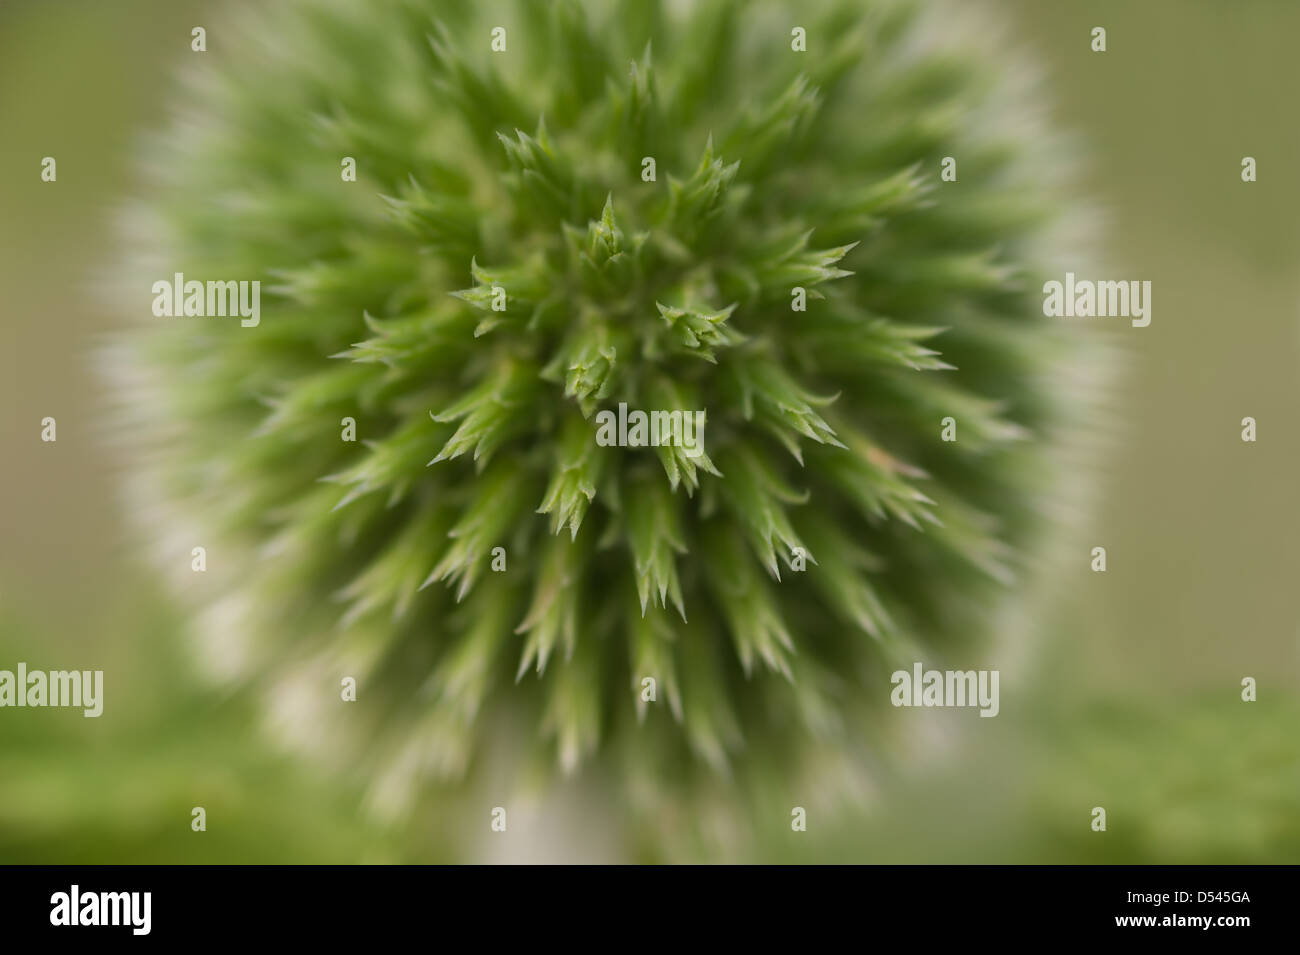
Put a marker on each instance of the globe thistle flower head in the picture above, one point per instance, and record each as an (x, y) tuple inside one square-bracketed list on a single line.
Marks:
[(563, 213)]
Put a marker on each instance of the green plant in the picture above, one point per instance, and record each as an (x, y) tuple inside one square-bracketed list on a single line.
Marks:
[(523, 170)]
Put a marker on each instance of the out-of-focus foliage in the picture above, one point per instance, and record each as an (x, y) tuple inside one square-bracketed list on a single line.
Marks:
[(120, 788)]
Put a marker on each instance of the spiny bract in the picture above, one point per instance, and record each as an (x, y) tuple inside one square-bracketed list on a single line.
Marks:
[(525, 170)]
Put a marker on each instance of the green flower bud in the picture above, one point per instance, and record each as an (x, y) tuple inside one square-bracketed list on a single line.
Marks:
[(504, 271)]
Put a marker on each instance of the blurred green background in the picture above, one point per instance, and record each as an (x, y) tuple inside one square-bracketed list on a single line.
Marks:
[(1131, 700)]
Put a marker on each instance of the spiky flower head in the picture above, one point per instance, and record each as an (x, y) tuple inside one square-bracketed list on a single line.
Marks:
[(736, 209)]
